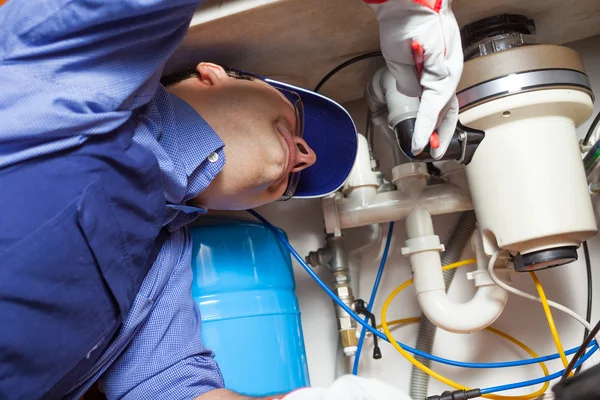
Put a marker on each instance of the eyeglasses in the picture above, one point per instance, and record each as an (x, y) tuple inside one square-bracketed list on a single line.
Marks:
[(296, 101)]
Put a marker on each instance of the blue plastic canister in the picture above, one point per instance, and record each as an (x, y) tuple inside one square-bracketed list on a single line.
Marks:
[(244, 286)]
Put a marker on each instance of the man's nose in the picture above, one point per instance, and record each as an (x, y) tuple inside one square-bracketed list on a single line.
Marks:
[(305, 156)]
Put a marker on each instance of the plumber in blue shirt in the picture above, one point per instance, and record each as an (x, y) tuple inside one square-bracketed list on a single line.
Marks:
[(101, 168)]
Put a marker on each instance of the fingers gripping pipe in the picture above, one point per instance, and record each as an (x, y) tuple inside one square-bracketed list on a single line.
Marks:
[(383, 95), (423, 248)]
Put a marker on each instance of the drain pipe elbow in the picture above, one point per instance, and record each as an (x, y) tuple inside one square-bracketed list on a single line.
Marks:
[(382, 92), (479, 313), (423, 248), (379, 85)]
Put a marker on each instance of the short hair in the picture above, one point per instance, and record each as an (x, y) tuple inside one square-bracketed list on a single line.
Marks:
[(177, 77)]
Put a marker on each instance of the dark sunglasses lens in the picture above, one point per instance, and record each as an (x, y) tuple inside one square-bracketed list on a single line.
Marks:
[(291, 186)]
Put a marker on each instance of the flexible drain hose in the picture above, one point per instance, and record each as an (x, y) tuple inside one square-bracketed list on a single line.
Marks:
[(419, 380)]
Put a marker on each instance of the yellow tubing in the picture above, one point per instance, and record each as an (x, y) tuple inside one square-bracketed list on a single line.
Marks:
[(498, 332), (550, 319), (429, 371)]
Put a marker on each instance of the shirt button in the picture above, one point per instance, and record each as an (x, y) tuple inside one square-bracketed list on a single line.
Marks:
[(213, 157)]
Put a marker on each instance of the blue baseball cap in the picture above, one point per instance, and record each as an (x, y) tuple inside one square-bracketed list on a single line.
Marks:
[(331, 134)]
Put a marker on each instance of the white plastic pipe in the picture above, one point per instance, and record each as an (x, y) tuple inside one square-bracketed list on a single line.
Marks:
[(395, 206), (388, 105), (383, 91), (423, 248), (361, 184)]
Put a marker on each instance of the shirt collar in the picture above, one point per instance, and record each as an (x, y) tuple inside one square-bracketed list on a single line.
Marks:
[(197, 140), (187, 209)]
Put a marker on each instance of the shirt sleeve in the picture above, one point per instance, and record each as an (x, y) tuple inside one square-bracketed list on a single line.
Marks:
[(74, 68), (167, 358)]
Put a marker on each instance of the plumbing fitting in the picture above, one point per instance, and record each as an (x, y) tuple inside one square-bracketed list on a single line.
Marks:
[(370, 237), (365, 206), (439, 199), (497, 33), (423, 248), (335, 257), (383, 185), (461, 235), (401, 117), (410, 178), (376, 101), (320, 258), (362, 182)]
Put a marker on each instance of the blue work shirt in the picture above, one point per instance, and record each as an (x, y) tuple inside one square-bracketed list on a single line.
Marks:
[(70, 70)]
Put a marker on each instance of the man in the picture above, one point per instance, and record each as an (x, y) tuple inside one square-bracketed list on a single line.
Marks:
[(101, 168)]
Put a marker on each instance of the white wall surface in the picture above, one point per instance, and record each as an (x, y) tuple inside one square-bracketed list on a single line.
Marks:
[(523, 319)]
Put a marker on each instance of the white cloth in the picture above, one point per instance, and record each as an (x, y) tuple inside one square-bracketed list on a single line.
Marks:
[(400, 23), (350, 387)]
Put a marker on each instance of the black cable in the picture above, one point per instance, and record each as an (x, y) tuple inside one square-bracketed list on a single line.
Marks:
[(457, 395), (581, 351), (588, 310), (588, 135), (344, 65)]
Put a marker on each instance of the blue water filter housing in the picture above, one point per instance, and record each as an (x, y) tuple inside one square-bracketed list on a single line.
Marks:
[(244, 286)]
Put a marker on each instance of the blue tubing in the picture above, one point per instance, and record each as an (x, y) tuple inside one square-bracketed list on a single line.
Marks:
[(373, 294), (368, 327), (543, 379)]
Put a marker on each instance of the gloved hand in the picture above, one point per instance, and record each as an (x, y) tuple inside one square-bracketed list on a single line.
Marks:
[(350, 387), (420, 41)]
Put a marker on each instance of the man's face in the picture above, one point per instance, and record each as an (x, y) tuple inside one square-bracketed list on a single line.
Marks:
[(258, 125)]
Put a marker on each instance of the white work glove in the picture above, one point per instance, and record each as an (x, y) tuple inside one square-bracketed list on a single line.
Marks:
[(350, 387), (402, 22)]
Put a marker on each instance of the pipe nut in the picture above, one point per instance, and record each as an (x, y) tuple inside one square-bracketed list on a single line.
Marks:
[(346, 323), (410, 178), (348, 337), (422, 243), (343, 292), (480, 278)]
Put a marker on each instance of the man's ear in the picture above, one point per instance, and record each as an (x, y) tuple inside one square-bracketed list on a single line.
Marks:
[(211, 74)]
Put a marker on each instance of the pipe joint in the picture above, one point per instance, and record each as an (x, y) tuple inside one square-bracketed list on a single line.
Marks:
[(423, 248), (361, 175), (482, 278), (422, 243)]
